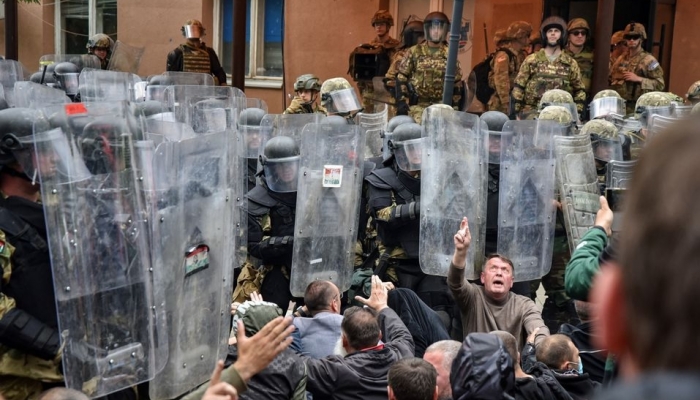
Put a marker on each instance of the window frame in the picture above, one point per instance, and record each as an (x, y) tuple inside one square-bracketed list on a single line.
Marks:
[(94, 24)]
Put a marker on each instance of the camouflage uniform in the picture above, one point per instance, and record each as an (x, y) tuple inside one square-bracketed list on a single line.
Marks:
[(538, 75), (297, 106), (424, 69), (615, 40), (584, 58), (504, 68)]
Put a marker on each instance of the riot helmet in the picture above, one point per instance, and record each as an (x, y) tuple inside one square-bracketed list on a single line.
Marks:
[(66, 75), (652, 103), (693, 95), (558, 97), (383, 16), (494, 122), (334, 120), (561, 115), (249, 122), (104, 145), (436, 25), (412, 33), (386, 134), (211, 115), (339, 97), (406, 145), (553, 22), (605, 140), (280, 161), (17, 144), (308, 82), (193, 29), (606, 102)]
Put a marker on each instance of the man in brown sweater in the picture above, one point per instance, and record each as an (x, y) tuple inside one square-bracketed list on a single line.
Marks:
[(492, 306)]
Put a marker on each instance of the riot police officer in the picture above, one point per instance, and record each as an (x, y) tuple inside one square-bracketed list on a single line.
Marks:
[(194, 55), (101, 45), (249, 122), (606, 143)]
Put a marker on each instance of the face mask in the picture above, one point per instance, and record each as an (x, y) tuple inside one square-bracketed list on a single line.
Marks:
[(580, 366)]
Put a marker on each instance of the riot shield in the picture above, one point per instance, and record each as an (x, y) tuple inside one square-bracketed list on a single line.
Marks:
[(190, 201), (95, 220), (160, 130), (158, 83), (205, 108), (33, 95), (256, 103), (286, 125), (526, 207), (578, 184), (659, 124), (604, 106), (11, 71), (98, 85), (453, 185), (680, 110), (618, 175), (380, 95), (82, 61), (328, 193), (125, 58), (374, 124)]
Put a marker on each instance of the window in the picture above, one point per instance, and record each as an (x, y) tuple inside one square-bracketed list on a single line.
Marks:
[(78, 20), (264, 35)]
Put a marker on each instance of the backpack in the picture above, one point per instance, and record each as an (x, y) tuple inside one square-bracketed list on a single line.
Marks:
[(367, 61), (481, 72)]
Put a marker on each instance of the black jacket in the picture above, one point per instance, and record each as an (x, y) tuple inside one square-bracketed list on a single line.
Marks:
[(361, 375), (482, 369), (542, 386), (579, 387)]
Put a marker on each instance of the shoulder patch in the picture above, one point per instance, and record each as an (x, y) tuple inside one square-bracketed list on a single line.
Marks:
[(501, 58), (585, 242), (653, 65)]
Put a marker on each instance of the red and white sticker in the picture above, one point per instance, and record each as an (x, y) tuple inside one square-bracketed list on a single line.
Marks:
[(332, 175)]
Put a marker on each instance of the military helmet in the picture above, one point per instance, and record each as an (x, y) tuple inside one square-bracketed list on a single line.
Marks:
[(436, 19), (652, 99), (558, 114), (100, 40), (494, 120), (605, 140), (555, 96), (601, 128), (16, 130), (606, 93), (579, 23), (383, 16), (193, 29), (255, 315), (281, 151), (249, 122), (335, 120), (519, 29), (635, 29), (251, 117), (308, 82), (693, 95), (605, 103), (66, 75), (405, 141), (338, 96), (553, 22), (500, 37), (617, 37), (412, 33)]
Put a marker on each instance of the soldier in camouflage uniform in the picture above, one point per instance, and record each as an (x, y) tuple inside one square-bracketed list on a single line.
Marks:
[(382, 21), (636, 72), (549, 68), (579, 35), (422, 73), (618, 45), (101, 46), (693, 95), (604, 137), (348, 105), (411, 35), (194, 55), (306, 87), (506, 64)]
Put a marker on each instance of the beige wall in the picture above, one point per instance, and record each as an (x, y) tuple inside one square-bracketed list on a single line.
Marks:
[(498, 14), (685, 52)]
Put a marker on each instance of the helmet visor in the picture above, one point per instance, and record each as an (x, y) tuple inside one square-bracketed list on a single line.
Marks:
[(607, 149), (49, 155), (409, 154), (253, 140), (343, 101), (435, 30), (69, 83), (282, 174), (648, 112), (193, 31), (605, 106)]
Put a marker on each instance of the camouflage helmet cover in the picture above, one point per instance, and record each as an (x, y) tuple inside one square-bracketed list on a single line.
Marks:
[(557, 113), (635, 28), (100, 40), (578, 23), (331, 85), (187, 28), (555, 96), (519, 29), (693, 92), (500, 36), (602, 128), (606, 93), (383, 16), (617, 37), (308, 82), (674, 97), (652, 99)]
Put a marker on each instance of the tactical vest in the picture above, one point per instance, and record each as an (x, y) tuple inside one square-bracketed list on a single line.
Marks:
[(406, 189), (282, 214), (195, 60), (31, 282), (429, 70)]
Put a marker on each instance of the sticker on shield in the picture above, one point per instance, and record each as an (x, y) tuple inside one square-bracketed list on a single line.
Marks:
[(332, 175), (196, 259)]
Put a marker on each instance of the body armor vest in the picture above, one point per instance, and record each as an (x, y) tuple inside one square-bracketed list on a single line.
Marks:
[(195, 60), (280, 206)]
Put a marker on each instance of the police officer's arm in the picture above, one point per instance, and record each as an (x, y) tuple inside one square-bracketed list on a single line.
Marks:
[(501, 77), (174, 61), (386, 212), (269, 249), (577, 87), (215, 67), (652, 76), (18, 329), (520, 82)]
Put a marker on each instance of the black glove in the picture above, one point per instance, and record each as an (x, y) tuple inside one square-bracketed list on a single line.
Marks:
[(402, 108)]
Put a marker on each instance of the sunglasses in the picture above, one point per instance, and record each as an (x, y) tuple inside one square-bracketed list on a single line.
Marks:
[(578, 33), (635, 37)]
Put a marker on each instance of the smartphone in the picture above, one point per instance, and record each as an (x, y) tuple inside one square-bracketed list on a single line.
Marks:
[(615, 196)]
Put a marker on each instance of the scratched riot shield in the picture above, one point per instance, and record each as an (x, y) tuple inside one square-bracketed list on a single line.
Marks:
[(252, 102), (125, 58), (33, 95), (80, 60), (618, 175), (11, 71), (680, 110), (191, 203), (328, 193), (453, 185), (577, 181), (290, 125), (374, 124), (205, 108), (158, 83), (98, 85), (658, 124), (526, 208), (108, 316)]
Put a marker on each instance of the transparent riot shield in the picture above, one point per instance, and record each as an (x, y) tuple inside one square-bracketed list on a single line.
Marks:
[(205, 108), (328, 193), (618, 175), (453, 185), (374, 124), (604, 106), (380, 94), (95, 219), (526, 204), (256, 103), (191, 203), (33, 95), (99, 85), (286, 125), (158, 83), (578, 184), (125, 58), (658, 124), (680, 110), (11, 71), (80, 60)]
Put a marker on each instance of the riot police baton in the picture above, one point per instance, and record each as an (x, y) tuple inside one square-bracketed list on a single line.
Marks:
[(455, 33)]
